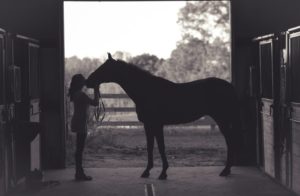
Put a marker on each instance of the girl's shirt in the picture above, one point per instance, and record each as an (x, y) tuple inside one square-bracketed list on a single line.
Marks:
[(81, 104)]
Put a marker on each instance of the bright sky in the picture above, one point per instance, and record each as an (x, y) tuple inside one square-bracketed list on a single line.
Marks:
[(94, 28)]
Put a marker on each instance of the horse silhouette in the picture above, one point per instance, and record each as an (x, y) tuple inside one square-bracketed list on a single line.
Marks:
[(161, 102)]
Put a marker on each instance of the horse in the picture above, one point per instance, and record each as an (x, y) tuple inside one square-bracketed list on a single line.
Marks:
[(161, 102)]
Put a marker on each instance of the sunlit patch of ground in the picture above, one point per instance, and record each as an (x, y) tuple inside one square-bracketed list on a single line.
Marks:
[(108, 147)]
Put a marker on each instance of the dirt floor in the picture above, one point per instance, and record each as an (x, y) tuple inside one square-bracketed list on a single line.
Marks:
[(189, 181), (111, 148)]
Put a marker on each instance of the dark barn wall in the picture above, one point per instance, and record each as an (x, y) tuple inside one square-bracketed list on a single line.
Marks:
[(250, 19), (42, 20)]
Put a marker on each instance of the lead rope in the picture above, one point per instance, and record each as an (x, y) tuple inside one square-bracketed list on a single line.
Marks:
[(97, 111), (103, 108)]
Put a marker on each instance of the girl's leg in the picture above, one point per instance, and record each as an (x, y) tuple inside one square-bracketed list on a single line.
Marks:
[(80, 141)]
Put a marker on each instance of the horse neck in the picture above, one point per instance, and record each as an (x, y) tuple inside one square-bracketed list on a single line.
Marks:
[(132, 82)]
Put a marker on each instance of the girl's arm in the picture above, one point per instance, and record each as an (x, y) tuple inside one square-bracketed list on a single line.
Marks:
[(95, 101)]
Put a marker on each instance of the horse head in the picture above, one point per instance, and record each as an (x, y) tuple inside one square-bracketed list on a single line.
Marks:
[(102, 74)]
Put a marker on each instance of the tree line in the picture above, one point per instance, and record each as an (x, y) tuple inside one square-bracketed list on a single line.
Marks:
[(203, 51)]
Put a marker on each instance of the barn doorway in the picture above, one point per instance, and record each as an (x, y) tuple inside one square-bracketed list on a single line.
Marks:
[(177, 40)]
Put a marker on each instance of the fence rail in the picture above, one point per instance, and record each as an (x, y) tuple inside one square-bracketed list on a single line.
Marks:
[(204, 121)]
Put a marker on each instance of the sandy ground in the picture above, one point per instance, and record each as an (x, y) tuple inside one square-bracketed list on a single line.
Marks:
[(112, 148), (187, 181)]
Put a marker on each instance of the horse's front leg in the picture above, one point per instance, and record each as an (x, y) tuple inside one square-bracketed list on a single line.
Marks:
[(161, 147), (150, 144)]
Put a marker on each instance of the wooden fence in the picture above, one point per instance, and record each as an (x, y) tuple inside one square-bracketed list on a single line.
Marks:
[(204, 121)]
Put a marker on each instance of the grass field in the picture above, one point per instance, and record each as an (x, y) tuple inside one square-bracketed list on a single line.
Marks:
[(185, 146)]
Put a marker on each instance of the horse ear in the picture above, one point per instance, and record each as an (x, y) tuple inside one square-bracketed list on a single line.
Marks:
[(109, 56)]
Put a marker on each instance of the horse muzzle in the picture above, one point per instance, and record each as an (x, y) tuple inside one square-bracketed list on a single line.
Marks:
[(89, 84)]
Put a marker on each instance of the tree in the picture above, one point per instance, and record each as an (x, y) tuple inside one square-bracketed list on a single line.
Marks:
[(146, 62), (187, 61), (204, 50), (205, 20)]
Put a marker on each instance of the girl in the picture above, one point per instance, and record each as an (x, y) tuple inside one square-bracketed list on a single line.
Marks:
[(79, 120)]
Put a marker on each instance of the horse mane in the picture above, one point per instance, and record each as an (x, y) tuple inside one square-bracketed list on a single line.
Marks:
[(134, 68)]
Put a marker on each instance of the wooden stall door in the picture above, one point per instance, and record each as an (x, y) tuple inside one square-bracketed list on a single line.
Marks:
[(22, 145), (2, 118), (294, 103), (267, 104), (26, 56), (282, 147), (34, 97), (7, 166)]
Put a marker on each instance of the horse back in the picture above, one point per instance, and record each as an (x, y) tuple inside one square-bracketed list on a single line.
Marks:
[(185, 102)]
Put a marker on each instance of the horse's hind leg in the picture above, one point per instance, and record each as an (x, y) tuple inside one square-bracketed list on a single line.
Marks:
[(227, 132), (150, 144), (159, 134)]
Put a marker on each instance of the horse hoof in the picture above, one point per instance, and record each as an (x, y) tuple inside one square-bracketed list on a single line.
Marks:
[(145, 174), (225, 172), (162, 176)]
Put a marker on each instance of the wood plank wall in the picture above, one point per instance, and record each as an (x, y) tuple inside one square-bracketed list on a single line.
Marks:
[(268, 138), (295, 124)]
